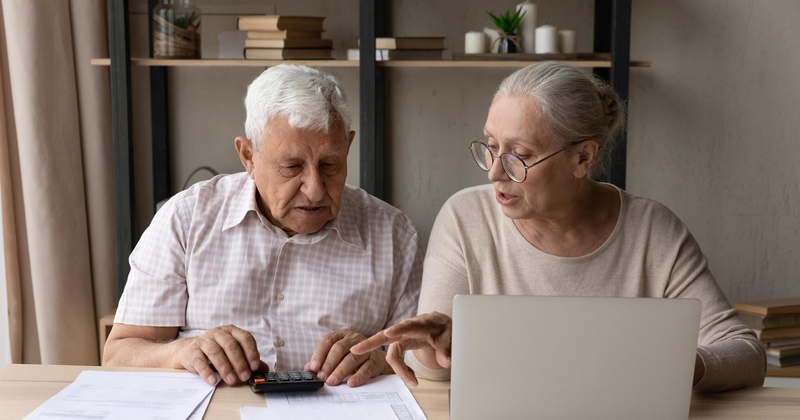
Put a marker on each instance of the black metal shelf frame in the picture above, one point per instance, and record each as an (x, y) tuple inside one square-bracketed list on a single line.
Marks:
[(612, 27)]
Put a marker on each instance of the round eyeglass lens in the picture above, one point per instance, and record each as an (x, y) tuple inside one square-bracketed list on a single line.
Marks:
[(514, 167), (481, 155)]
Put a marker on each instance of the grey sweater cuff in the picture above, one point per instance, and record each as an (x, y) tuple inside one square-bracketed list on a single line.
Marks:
[(731, 364)]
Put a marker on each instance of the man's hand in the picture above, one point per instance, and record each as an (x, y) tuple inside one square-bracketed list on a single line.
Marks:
[(230, 350), (332, 360), (429, 335)]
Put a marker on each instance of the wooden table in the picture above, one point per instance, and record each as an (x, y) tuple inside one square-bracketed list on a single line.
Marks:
[(25, 387)]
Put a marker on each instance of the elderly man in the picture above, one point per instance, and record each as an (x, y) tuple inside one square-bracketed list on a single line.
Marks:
[(283, 267)]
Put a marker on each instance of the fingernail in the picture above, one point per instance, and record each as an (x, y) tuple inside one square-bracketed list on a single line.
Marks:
[(354, 382), (411, 384), (332, 381), (254, 365), (244, 376), (231, 378), (314, 365), (321, 376), (211, 379)]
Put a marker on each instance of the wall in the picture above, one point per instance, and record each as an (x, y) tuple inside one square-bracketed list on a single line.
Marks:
[(713, 131)]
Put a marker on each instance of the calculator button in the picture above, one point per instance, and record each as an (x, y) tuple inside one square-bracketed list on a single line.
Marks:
[(259, 380), (272, 377), (307, 376)]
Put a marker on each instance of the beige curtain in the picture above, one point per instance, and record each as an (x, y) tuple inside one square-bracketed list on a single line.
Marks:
[(56, 177)]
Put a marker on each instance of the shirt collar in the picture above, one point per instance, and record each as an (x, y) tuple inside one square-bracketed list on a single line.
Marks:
[(345, 224), (243, 203)]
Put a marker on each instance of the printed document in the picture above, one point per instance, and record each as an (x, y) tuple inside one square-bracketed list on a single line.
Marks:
[(128, 395), (385, 394)]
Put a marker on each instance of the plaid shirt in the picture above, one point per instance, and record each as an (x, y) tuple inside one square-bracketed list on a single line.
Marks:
[(210, 258)]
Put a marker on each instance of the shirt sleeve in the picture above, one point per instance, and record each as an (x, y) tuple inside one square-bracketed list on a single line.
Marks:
[(155, 294), (733, 356), (408, 276)]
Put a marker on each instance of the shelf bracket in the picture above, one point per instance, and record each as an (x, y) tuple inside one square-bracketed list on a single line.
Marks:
[(372, 79), (122, 134)]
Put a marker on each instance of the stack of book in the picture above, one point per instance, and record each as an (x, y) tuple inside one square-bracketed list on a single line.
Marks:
[(284, 38), (777, 325), (404, 49)]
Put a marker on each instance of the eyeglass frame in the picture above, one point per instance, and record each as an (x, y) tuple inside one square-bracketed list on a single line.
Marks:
[(524, 165)]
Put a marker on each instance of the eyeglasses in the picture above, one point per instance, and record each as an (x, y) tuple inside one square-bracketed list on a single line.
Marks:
[(513, 165)]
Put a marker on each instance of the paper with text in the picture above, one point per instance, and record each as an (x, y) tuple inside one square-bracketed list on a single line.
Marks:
[(386, 390), (328, 412), (127, 395)]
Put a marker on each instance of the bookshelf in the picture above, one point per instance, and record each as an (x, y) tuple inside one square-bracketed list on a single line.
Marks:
[(612, 23)]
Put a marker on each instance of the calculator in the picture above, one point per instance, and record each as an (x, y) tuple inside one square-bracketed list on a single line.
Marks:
[(284, 381)]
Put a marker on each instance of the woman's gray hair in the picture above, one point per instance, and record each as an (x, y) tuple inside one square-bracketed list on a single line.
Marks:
[(576, 105), (308, 98)]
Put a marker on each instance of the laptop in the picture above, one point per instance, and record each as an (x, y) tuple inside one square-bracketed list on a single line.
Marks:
[(535, 357)]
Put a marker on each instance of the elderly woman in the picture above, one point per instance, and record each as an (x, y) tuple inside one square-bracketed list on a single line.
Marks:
[(545, 227)]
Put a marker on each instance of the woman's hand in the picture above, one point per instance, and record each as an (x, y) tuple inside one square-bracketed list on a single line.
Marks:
[(428, 334)]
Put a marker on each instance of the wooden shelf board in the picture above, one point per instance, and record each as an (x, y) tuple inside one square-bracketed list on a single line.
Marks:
[(347, 63), (149, 62)]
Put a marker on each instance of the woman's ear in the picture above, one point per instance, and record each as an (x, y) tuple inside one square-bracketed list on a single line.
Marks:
[(586, 154), (244, 147)]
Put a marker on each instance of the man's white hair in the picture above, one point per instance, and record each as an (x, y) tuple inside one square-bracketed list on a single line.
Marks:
[(308, 98)]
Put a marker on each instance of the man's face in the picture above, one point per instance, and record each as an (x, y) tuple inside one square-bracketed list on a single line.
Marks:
[(300, 174)]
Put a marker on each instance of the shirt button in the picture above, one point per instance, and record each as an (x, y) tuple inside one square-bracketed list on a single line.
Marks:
[(280, 296), (280, 343)]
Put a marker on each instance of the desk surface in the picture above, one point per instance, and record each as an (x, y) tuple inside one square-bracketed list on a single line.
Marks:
[(25, 387)]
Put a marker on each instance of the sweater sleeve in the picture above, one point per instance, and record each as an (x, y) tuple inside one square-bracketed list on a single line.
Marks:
[(444, 276), (733, 356)]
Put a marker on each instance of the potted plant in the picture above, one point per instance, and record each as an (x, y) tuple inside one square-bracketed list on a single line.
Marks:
[(507, 25)]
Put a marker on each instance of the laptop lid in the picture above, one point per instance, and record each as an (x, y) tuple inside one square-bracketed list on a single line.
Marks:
[(541, 357)]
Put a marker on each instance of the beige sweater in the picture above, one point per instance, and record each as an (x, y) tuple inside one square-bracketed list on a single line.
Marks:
[(475, 249)]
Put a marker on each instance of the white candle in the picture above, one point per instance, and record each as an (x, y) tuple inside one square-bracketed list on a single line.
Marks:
[(567, 41), (492, 34), (546, 40), (475, 43), (527, 26)]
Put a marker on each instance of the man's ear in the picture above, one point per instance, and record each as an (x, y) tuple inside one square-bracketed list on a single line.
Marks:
[(585, 156), (244, 147), (352, 136)]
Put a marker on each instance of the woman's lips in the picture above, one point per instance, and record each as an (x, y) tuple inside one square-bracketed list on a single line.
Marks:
[(505, 199)]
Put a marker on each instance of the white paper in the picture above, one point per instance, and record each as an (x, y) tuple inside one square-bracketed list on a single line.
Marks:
[(388, 390), (329, 412), (200, 411), (127, 395)]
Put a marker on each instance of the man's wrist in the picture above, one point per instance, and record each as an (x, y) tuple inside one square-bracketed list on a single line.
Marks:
[(175, 347)]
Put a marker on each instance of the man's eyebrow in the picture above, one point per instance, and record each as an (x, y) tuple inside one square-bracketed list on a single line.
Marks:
[(331, 153)]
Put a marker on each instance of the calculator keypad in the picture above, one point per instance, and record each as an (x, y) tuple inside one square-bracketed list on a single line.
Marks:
[(285, 381)]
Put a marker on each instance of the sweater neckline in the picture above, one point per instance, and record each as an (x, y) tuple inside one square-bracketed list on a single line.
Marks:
[(623, 207)]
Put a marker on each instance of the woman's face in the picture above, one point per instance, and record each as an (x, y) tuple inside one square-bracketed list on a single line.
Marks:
[(515, 125)]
